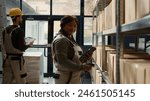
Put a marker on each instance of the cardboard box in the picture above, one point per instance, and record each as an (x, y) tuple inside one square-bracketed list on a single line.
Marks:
[(98, 77), (98, 22), (130, 10), (136, 72), (112, 66), (143, 8), (147, 76), (94, 74), (98, 54), (133, 57), (129, 55), (122, 11), (102, 21), (113, 13), (108, 16), (125, 71), (34, 66)]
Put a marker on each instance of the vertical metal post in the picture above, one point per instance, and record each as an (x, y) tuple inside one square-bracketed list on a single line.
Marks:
[(118, 30), (21, 4), (80, 37), (51, 8), (136, 42)]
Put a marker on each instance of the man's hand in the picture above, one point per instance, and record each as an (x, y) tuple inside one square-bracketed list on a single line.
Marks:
[(31, 44)]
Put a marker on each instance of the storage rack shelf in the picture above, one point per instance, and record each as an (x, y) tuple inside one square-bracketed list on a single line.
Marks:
[(141, 26), (137, 27)]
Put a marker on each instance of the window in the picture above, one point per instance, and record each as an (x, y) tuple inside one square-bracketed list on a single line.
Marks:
[(87, 31), (36, 7), (9, 21), (11, 4), (66, 7), (88, 7)]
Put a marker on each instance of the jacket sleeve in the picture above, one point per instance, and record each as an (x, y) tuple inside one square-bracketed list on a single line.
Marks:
[(19, 41), (61, 50)]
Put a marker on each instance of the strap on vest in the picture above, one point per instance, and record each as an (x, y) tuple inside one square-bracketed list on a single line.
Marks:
[(13, 54)]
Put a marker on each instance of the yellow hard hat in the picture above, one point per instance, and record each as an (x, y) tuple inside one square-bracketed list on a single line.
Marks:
[(15, 12)]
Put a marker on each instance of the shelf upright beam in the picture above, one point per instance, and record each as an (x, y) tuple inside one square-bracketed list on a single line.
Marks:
[(118, 30), (102, 7)]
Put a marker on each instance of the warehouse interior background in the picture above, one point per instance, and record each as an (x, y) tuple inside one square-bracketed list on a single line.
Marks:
[(119, 29)]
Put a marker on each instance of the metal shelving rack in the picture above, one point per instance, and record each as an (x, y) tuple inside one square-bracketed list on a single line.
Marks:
[(141, 26), (101, 4), (137, 27)]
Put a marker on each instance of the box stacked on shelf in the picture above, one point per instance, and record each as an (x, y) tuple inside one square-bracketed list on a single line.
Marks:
[(129, 55), (142, 8), (110, 14), (130, 10), (136, 72), (102, 21), (136, 9)]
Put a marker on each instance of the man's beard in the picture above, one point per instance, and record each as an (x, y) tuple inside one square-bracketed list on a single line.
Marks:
[(20, 23)]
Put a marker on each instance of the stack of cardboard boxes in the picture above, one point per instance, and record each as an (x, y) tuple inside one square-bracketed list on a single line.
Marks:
[(130, 10), (135, 66), (34, 65)]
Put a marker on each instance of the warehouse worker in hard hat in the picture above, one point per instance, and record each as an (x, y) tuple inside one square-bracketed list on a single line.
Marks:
[(13, 46)]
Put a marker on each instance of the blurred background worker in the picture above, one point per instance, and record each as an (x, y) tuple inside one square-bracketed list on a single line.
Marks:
[(66, 53), (13, 48)]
